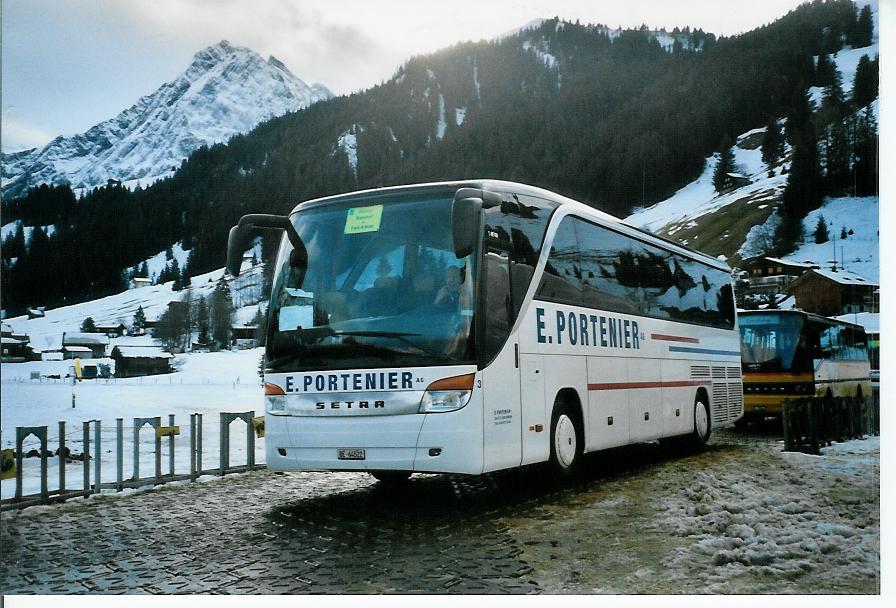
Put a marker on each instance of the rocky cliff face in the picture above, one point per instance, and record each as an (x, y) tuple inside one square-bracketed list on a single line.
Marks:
[(226, 90)]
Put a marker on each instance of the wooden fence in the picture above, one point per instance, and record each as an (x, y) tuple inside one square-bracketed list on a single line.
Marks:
[(811, 423)]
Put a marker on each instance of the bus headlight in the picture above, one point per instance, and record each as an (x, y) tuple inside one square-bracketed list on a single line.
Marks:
[(447, 394)]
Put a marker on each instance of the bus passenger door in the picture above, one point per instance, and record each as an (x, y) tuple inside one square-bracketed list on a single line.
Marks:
[(501, 377), (535, 417)]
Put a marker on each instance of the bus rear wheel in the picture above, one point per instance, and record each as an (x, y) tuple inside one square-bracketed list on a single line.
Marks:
[(566, 442), (699, 436), (391, 477)]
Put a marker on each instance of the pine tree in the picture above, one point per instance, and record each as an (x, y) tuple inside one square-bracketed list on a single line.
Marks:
[(843, 233), (825, 71), (88, 326), (772, 143), (221, 314), (725, 165), (864, 28), (865, 85), (865, 155), (139, 319), (821, 231)]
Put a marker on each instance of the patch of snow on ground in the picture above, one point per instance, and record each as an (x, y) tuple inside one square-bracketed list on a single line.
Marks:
[(781, 536), (760, 238), (440, 128), (460, 114)]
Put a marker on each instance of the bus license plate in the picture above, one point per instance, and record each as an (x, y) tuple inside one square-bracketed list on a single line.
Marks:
[(352, 454)]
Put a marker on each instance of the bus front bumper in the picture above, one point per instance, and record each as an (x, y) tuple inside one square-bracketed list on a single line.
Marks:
[(432, 443)]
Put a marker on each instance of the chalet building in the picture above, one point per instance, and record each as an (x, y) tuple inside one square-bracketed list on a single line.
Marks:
[(244, 336), (13, 350), (138, 282), (833, 292), (77, 352), (732, 181), (36, 313), (95, 343), (112, 330), (768, 275), (131, 361)]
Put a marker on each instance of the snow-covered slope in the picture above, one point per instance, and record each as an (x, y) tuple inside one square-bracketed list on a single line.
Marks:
[(739, 223), (226, 90), (46, 333)]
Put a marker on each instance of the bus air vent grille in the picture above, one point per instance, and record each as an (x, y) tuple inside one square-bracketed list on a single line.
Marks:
[(720, 402), (735, 399), (734, 373), (700, 372), (718, 373)]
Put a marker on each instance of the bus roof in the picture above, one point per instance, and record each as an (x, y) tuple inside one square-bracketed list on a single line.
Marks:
[(517, 188)]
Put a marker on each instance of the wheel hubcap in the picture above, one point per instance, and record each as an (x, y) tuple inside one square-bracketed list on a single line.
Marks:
[(701, 420), (565, 441)]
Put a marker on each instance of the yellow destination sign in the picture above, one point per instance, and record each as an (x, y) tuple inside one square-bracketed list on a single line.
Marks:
[(167, 431), (363, 219)]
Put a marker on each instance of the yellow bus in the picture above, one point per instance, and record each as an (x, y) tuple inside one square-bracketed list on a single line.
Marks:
[(787, 354)]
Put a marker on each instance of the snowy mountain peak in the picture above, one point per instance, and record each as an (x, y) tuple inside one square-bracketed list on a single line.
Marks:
[(226, 90)]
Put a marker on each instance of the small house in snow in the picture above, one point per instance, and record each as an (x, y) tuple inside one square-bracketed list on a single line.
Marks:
[(77, 352), (770, 275), (138, 282), (244, 336), (112, 330), (13, 350), (133, 361), (95, 343), (833, 292)]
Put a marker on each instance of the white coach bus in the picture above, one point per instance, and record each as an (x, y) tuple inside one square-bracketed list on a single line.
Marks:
[(473, 326)]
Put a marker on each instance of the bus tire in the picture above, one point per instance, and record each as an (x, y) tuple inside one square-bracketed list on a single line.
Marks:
[(391, 477), (699, 436), (567, 441)]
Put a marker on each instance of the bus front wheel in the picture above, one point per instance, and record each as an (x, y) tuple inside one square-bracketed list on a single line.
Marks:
[(566, 442)]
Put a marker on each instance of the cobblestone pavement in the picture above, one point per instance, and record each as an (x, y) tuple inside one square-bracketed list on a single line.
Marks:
[(261, 533)]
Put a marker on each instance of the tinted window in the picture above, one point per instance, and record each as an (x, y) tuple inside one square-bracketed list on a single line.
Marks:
[(615, 272), (562, 278)]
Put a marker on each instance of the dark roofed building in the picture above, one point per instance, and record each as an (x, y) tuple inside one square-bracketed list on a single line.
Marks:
[(111, 329), (772, 275), (133, 361), (97, 343), (833, 292)]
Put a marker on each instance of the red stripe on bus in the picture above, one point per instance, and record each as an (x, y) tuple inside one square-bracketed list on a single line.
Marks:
[(614, 386), (674, 338)]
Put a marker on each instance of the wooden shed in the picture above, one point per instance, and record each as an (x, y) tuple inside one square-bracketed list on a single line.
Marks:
[(133, 361)]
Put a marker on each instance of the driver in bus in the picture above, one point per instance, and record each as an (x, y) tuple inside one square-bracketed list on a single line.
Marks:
[(453, 293)]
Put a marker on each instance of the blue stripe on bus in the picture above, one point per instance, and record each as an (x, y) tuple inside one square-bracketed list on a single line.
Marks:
[(703, 351)]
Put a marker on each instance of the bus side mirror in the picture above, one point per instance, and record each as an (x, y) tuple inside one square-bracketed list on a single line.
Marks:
[(465, 225), (237, 242), (241, 235)]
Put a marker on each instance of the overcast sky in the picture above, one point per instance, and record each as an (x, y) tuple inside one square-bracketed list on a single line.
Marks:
[(69, 64)]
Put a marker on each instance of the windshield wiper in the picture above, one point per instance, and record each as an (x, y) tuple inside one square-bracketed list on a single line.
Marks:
[(399, 335)]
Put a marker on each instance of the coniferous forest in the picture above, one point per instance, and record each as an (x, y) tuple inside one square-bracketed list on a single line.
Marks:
[(616, 122)]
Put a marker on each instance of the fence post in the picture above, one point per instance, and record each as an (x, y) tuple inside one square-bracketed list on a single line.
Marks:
[(119, 444), (136, 449), (192, 447), (787, 421), (813, 427), (250, 441), (199, 444), (224, 451), (97, 460), (61, 456), (158, 421), (86, 454), (171, 446)]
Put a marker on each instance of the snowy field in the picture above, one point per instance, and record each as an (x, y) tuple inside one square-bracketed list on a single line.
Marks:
[(206, 383)]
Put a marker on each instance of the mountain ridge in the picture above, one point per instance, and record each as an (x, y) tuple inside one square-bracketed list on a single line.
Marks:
[(226, 90)]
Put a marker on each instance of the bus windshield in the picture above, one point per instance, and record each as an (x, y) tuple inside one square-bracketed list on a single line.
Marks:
[(772, 342), (383, 288)]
